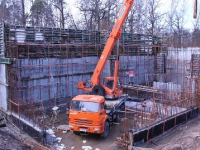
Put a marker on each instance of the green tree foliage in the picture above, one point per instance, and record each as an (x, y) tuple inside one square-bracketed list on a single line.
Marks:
[(41, 14)]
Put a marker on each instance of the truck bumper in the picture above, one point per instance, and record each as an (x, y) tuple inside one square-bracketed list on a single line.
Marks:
[(86, 129)]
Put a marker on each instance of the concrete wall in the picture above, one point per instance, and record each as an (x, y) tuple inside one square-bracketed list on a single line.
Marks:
[(51, 78), (3, 87), (57, 78), (143, 67), (54, 78), (3, 78), (178, 66)]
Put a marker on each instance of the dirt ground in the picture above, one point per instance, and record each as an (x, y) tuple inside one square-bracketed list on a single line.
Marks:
[(75, 142), (8, 141), (185, 137), (13, 139)]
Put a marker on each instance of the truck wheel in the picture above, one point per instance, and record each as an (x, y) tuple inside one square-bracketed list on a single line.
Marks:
[(117, 118), (106, 131), (76, 132), (98, 90)]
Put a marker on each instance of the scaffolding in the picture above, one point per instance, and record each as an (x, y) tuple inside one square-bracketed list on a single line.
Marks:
[(48, 63)]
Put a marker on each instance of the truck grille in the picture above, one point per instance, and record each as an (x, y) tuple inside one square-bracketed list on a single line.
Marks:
[(83, 122)]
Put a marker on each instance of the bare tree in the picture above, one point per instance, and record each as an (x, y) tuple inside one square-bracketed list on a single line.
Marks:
[(93, 12), (71, 23), (136, 18), (154, 17), (110, 7), (4, 11), (23, 13), (176, 21), (11, 12), (60, 6), (196, 30)]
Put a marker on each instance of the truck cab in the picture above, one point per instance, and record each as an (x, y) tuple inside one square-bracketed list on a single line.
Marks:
[(88, 115)]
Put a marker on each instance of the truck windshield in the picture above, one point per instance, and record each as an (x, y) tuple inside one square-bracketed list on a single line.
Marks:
[(85, 106)]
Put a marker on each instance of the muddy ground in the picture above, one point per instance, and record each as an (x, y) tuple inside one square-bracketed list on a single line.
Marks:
[(11, 138), (75, 142), (8, 141), (184, 137)]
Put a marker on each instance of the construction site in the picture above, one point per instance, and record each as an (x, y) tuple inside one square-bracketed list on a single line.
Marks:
[(46, 71), (43, 65)]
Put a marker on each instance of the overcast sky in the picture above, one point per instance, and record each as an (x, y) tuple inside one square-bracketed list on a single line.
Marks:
[(164, 7), (189, 8)]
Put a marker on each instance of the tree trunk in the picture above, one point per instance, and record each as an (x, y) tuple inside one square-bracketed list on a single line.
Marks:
[(23, 14), (62, 14)]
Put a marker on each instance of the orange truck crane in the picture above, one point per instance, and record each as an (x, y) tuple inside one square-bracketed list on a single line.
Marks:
[(96, 87), (95, 113)]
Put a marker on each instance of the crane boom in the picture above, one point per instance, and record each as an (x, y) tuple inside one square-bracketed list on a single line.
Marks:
[(114, 35), (105, 89)]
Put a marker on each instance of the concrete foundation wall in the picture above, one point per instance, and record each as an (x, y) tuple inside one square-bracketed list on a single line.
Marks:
[(178, 66), (52, 78), (164, 126), (3, 87), (139, 66)]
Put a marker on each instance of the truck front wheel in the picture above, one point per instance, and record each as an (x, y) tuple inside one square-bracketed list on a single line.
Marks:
[(76, 132), (106, 131)]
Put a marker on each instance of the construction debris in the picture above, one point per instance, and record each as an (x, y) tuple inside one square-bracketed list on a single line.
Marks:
[(50, 131), (86, 147), (64, 131), (63, 127), (2, 122), (61, 147), (59, 139), (84, 141)]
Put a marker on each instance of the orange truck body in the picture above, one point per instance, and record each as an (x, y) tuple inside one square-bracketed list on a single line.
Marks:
[(84, 121), (94, 114)]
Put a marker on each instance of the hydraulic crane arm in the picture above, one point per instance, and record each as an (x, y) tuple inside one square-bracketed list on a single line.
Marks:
[(114, 35), (104, 89)]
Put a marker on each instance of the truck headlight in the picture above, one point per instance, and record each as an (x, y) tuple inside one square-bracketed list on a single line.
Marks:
[(71, 126), (96, 129), (73, 113)]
